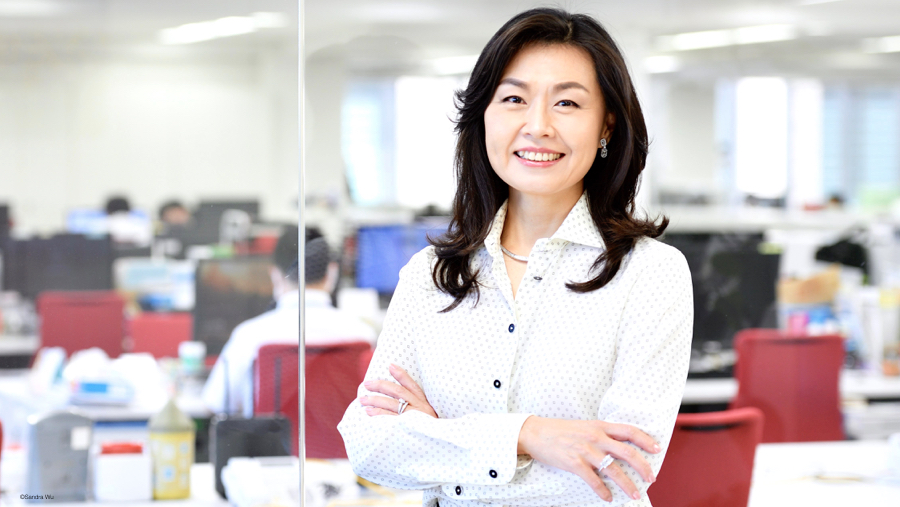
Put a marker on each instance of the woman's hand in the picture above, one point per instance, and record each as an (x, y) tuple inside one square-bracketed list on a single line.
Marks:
[(408, 390), (580, 446)]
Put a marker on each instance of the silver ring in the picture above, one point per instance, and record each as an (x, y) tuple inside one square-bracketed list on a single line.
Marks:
[(401, 405), (607, 460)]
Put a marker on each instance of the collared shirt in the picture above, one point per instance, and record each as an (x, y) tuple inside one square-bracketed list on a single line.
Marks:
[(618, 354), (229, 388)]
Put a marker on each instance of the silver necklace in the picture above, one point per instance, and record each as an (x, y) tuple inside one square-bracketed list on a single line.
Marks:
[(514, 256)]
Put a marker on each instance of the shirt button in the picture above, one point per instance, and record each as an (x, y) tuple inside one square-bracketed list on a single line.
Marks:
[(458, 490), (512, 327), (493, 474), (538, 278), (497, 384)]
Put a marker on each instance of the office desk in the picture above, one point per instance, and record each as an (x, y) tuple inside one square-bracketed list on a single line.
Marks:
[(841, 474), (854, 385), (203, 493), (17, 403)]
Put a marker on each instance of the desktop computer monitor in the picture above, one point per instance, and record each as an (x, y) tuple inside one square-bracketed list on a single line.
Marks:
[(734, 283), (208, 218), (381, 251), (228, 292), (4, 224), (62, 262)]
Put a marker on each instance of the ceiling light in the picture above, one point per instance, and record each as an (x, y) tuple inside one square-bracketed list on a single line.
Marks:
[(816, 2), (269, 19), (28, 8), (451, 65), (698, 40), (222, 27), (764, 33), (661, 64), (720, 38), (882, 44)]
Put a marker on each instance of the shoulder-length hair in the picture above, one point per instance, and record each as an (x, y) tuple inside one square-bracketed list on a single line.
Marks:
[(610, 183)]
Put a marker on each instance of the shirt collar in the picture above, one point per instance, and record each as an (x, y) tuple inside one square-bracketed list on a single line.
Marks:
[(316, 297), (578, 227), (289, 300)]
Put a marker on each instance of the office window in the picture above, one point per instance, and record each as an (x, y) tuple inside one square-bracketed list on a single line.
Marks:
[(861, 130), (761, 136), (398, 140), (425, 140), (367, 131)]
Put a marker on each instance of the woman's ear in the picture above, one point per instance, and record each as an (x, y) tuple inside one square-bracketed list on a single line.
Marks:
[(608, 126)]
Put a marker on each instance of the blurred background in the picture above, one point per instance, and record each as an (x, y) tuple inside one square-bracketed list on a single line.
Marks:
[(149, 155)]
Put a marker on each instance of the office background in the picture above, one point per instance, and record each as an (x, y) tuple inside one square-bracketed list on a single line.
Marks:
[(775, 128)]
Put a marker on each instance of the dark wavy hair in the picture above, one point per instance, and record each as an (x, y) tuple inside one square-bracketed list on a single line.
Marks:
[(610, 183)]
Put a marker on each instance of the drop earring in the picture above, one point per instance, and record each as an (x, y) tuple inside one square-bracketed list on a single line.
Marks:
[(603, 151)]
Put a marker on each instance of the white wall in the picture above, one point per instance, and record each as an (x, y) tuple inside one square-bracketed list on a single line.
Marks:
[(74, 132)]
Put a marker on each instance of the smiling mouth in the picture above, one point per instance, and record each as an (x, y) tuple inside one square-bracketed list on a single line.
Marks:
[(538, 157)]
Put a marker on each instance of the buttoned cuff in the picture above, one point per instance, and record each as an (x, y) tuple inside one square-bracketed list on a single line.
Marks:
[(494, 448)]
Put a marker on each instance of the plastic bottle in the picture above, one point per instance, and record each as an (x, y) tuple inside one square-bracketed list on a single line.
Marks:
[(172, 448)]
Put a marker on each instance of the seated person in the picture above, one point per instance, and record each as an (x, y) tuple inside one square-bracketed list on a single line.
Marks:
[(229, 388)]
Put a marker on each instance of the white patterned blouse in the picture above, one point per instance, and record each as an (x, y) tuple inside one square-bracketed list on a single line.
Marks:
[(618, 354)]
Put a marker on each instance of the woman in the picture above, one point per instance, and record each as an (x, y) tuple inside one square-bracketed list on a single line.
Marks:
[(542, 345)]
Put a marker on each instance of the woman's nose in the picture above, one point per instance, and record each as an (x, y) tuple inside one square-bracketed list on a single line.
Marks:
[(538, 122)]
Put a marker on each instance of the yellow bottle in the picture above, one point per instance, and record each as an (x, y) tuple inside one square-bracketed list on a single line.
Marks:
[(172, 449)]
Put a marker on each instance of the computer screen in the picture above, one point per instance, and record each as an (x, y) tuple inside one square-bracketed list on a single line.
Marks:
[(381, 251), (62, 262), (228, 292), (4, 224), (208, 217), (734, 282)]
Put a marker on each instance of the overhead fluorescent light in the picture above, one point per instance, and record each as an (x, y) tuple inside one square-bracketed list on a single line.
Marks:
[(698, 40), (882, 44), (222, 27), (721, 38), (29, 8), (452, 65), (661, 64), (764, 33)]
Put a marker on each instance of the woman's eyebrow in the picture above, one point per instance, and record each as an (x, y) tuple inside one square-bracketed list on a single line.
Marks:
[(514, 82), (569, 85)]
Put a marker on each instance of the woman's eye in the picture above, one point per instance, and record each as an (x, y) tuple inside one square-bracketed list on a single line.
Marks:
[(514, 100), (567, 103)]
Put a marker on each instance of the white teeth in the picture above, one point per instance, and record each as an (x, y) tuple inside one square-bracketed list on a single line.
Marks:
[(538, 157)]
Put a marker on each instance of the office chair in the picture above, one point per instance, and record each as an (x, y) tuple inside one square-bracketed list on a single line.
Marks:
[(794, 380), (332, 379), (77, 320), (709, 462), (364, 359), (160, 333)]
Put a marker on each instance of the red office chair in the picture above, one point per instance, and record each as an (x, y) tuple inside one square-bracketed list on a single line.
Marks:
[(77, 320), (364, 359), (709, 462), (794, 380), (160, 333), (1, 439), (332, 378)]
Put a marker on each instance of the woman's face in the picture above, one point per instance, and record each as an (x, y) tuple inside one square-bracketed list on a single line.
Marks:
[(544, 124)]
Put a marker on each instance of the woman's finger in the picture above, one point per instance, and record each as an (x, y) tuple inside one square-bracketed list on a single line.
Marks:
[(589, 475), (379, 411), (625, 432), (632, 456), (388, 388), (380, 402), (407, 381), (615, 473)]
